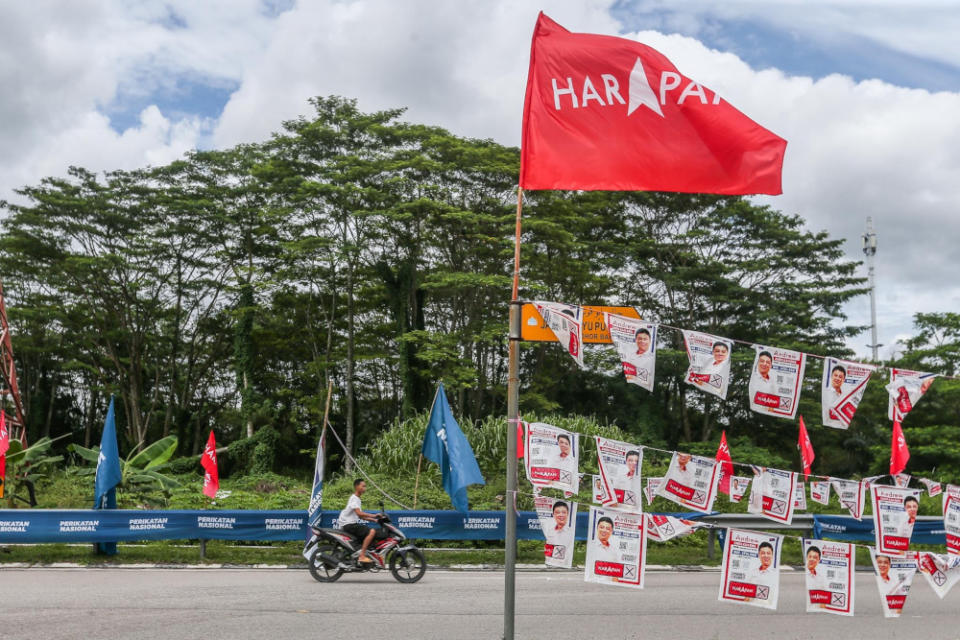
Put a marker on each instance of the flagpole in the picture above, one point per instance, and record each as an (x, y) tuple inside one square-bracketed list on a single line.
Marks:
[(416, 485), (513, 410)]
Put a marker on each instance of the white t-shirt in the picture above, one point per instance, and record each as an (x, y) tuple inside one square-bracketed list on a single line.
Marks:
[(349, 514), (604, 552)]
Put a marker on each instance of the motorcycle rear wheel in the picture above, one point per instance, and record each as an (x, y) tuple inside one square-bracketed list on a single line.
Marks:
[(319, 569), (409, 567)]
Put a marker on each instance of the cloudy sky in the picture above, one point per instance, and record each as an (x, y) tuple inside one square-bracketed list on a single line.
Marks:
[(866, 93)]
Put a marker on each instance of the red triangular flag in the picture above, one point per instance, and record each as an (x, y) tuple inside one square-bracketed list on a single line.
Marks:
[(726, 469), (211, 477), (605, 113), (899, 453), (806, 449), (519, 439)]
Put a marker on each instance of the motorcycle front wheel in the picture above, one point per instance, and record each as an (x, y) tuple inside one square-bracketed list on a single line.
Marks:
[(320, 570), (408, 567)]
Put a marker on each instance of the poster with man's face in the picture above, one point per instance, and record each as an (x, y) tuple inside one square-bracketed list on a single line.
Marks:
[(691, 481), (894, 576), (616, 548), (775, 381), (750, 568), (842, 389), (636, 342), (558, 522), (709, 358), (773, 494), (620, 464), (829, 575), (894, 514), (551, 457)]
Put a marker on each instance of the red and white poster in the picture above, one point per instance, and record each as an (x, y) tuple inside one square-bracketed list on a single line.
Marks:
[(776, 380), (551, 457), (738, 487), (843, 385), (709, 358), (951, 518), (894, 514), (661, 528), (852, 495), (636, 342), (941, 571), (750, 569), (820, 491), (829, 570), (902, 480), (773, 494), (566, 323), (894, 576), (905, 389), (653, 484), (616, 548), (800, 498), (558, 522), (620, 482), (934, 488), (691, 481)]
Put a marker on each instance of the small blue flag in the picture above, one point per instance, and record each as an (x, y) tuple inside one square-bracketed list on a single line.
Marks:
[(446, 445), (315, 510), (109, 474)]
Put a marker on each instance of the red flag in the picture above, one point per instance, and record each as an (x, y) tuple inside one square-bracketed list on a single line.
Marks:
[(605, 113), (519, 440), (899, 453), (4, 445), (726, 469), (211, 477), (806, 449)]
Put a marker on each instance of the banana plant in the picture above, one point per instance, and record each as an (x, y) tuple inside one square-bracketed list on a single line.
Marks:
[(140, 469), (25, 467)]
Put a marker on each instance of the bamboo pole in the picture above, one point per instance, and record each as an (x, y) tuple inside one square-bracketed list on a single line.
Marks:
[(416, 484)]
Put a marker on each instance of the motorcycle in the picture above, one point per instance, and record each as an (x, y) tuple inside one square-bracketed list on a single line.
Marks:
[(332, 552)]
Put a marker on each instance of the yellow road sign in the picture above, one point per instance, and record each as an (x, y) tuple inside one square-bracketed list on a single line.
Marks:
[(534, 329)]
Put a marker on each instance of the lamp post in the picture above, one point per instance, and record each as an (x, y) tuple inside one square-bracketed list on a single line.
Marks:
[(870, 250)]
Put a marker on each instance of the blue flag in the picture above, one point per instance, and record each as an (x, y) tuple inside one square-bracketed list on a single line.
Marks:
[(446, 445), (315, 510), (109, 474)]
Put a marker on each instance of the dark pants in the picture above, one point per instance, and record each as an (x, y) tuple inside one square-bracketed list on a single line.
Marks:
[(357, 530)]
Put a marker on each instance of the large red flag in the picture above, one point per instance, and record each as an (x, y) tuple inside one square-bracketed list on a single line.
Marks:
[(726, 469), (4, 445), (899, 453), (806, 449), (605, 113), (211, 476)]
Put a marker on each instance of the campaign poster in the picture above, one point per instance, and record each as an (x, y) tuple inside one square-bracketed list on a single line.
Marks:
[(829, 570), (773, 494), (709, 358), (551, 457), (852, 495), (843, 385), (566, 323), (738, 487), (691, 481), (661, 528), (951, 518), (636, 342), (902, 480), (894, 514), (894, 576), (820, 491), (750, 571), (800, 499), (776, 380), (653, 484), (558, 522), (941, 571), (620, 482), (616, 548), (934, 488), (905, 390), (597, 489)]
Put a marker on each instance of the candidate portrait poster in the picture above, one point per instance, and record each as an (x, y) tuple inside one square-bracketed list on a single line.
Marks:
[(653, 484), (843, 385), (661, 528), (566, 323), (894, 514), (951, 518), (550, 457), (852, 495), (709, 358), (558, 522), (636, 342), (905, 390), (691, 481), (616, 548), (800, 500), (829, 572), (894, 575), (750, 569), (773, 494), (776, 380), (620, 484), (941, 571), (738, 487), (934, 488), (820, 491)]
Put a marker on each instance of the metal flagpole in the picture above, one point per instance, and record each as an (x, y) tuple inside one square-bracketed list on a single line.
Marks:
[(513, 410)]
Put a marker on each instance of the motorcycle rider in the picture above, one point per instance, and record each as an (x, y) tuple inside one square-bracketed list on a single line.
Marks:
[(351, 516)]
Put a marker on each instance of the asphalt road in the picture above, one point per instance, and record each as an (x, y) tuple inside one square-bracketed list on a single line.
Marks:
[(42, 604)]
